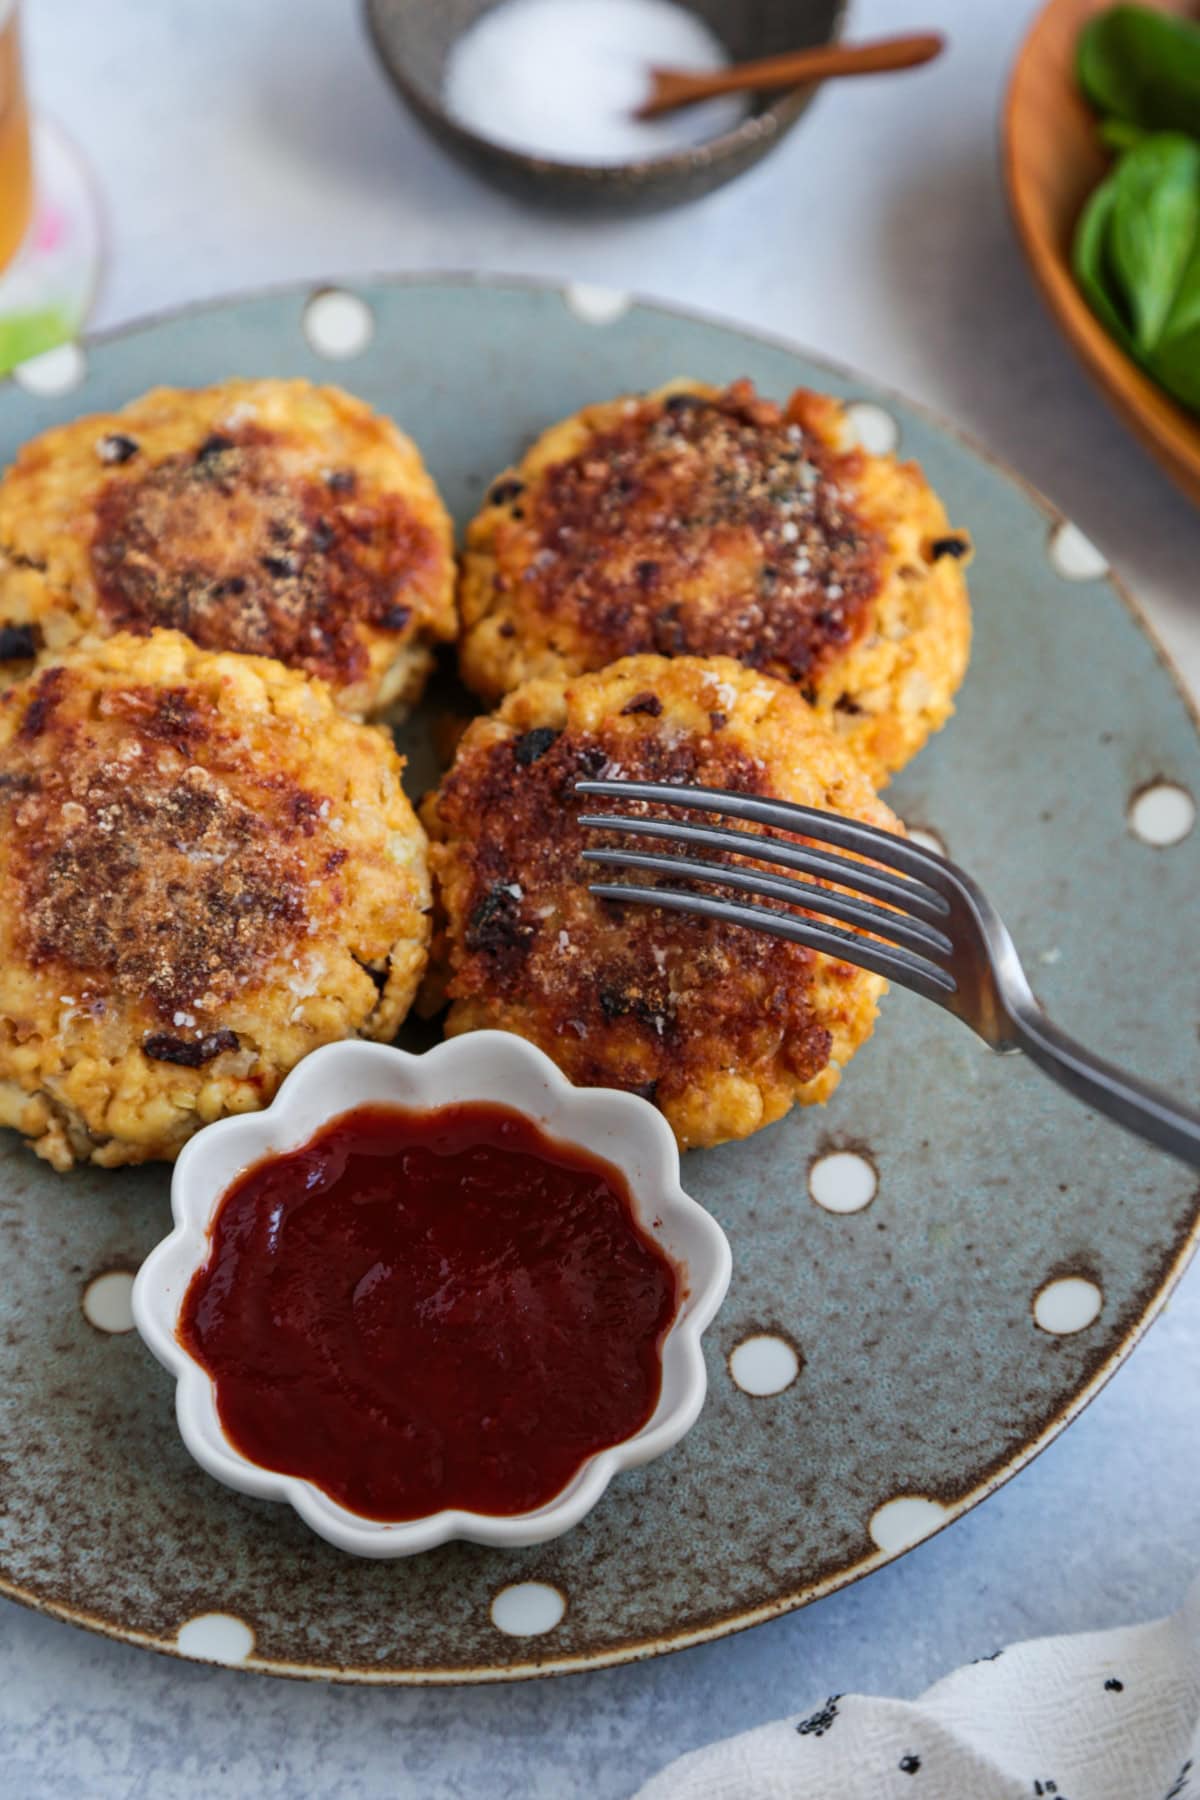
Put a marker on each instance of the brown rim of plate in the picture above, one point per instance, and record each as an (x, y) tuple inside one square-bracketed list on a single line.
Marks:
[(1160, 1285)]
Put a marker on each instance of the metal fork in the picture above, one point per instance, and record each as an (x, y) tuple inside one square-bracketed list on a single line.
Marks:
[(932, 929)]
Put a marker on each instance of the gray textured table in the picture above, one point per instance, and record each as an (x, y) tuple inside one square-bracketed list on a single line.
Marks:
[(240, 144)]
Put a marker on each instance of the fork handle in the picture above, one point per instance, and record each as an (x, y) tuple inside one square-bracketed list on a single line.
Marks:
[(1137, 1105)]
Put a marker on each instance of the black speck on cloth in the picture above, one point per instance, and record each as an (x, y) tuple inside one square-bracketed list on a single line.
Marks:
[(1112, 1715)]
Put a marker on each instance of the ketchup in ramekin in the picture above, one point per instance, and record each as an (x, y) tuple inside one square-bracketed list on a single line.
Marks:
[(428, 1310)]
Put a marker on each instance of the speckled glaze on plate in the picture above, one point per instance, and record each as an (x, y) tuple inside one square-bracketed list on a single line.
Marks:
[(924, 1375)]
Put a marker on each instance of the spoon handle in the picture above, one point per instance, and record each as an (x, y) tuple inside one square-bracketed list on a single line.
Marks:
[(671, 88)]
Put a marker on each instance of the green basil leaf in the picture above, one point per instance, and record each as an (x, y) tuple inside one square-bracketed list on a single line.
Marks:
[(1153, 230), (1089, 259), (1143, 66), (1175, 366), (1184, 315), (1176, 358), (1119, 134)]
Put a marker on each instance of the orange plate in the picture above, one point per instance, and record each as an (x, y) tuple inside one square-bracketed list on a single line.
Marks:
[(1053, 158)]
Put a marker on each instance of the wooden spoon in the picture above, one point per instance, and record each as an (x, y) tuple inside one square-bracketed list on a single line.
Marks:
[(672, 88)]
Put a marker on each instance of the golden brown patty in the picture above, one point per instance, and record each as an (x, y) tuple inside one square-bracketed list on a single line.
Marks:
[(700, 521), (270, 517), (205, 872), (721, 1027)]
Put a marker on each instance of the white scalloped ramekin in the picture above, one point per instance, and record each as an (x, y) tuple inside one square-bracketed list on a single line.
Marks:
[(480, 1066)]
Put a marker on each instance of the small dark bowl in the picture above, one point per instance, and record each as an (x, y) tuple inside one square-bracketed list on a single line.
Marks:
[(413, 39)]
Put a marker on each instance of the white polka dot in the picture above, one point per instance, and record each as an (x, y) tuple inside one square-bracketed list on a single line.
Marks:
[(596, 305), (764, 1365), (338, 324), (870, 428), (55, 371), (927, 839), (1162, 814), (1074, 556), (216, 1637), (528, 1608), (898, 1524), (107, 1301), (843, 1182), (1068, 1305)]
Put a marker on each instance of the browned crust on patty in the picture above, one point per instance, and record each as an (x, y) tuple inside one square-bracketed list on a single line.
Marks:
[(721, 1027), (698, 526), (271, 518), (205, 873), (704, 521), (148, 861), (224, 544)]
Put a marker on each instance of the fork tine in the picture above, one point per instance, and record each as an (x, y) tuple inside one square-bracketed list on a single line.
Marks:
[(894, 964), (880, 920), (895, 890), (807, 821)]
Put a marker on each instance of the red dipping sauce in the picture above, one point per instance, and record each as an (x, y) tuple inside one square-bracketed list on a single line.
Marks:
[(421, 1310)]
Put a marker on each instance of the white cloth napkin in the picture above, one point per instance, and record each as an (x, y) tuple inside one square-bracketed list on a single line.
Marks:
[(1107, 1715)]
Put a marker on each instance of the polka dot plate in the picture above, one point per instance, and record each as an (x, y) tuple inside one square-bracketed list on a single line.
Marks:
[(931, 1276)]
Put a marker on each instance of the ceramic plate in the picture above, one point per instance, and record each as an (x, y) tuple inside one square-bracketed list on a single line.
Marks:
[(1011, 1246)]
